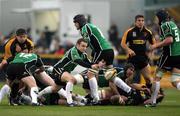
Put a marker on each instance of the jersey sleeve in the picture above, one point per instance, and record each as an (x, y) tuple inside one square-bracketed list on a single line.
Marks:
[(125, 38), (9, 49), (151, 39), (39, 62)]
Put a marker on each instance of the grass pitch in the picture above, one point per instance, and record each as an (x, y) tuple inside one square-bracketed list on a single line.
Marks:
[(170, 106)]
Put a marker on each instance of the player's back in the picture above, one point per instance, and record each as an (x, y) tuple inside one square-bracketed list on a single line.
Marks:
[(170, 29), (97, 40)]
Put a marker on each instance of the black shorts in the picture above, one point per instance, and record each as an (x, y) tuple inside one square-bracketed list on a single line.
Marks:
[(106, 55), (167, 62), (56, 76), (139, 61), (17, 71)]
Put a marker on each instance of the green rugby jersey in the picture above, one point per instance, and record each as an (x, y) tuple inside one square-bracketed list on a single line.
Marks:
[(24, 58), (29, 59), (95, 38), (170, 29), (68, 61)]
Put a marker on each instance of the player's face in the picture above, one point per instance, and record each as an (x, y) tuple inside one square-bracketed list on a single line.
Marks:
[(102, 64), (129, 72), (139, 22), (21, 38), (77, 25), (82, 46)]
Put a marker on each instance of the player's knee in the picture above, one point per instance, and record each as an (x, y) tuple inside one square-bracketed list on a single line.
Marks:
[(72, 80), (90, 74), (79, 79), (175, 79)]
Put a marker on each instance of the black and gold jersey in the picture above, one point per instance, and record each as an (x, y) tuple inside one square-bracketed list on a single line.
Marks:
[(137, 39), (11, 45)]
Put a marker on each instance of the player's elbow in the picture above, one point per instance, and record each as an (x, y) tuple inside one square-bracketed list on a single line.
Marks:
[(123, 45), (168, 40)]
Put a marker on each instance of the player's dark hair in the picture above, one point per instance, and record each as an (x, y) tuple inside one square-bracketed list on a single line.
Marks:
[(162, 15), (138, 16), (20, 31), (81, 40), (127, 66), (80, 18)]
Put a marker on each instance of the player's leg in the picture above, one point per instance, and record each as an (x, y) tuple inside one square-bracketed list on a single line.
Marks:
[(175, 78), (163, 65), (4, 91), (66, 77), (146, 72), (93, 85), (155, 88), (45, 78), (31, 83)]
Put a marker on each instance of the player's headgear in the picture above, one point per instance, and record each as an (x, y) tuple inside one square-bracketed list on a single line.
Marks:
[(80, 19), (162, 15), (20, 31)]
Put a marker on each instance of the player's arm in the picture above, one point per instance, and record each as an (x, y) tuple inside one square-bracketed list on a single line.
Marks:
[(167, 34), (167, 41), (2, 64), (124, 45), (6, 62), (113, 88), (9, 49), (151, 39), (82, 63)]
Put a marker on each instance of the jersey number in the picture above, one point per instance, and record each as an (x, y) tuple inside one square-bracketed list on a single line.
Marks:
[(177, 39), (25, 55)]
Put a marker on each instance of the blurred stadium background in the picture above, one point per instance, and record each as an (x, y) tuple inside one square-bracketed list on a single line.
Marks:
[(49, 22)]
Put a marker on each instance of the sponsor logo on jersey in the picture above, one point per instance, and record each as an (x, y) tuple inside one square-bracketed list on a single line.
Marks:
[(138, 41), (134, 34)]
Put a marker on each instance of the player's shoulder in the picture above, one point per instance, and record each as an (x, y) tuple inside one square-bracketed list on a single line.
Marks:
[(131, 29), (167, 24), (30, 41), (148, 30), (10, 41)]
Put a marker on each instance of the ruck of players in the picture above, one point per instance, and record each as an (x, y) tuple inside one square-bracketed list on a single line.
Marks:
[(29, 81)]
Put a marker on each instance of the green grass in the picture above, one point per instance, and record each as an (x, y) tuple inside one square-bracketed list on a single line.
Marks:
[(169, 107)]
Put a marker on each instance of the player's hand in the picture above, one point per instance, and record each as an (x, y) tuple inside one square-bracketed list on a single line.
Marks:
[(146, 90), (25, 51), (94, 66), (152, 47), (18, 48), (121, 100), (131, 53)]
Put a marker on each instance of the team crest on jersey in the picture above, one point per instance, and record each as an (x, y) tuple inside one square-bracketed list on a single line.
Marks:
[(134, 34), (167, 30)]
